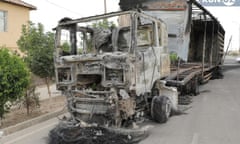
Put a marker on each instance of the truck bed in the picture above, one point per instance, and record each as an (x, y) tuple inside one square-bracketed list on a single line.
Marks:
[(185, 72), (187, 77)]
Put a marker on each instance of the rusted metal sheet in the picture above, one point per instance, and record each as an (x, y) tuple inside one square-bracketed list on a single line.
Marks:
[(165, 5), (153, 4), (180, 16), (176, 21)]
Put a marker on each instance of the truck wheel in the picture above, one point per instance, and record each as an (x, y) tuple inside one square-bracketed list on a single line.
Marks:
[(160, 108)]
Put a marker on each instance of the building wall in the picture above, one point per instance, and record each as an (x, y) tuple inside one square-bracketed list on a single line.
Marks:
[(16, 17)]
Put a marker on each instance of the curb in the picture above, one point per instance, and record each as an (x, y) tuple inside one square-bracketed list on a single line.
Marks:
[(31, 122)]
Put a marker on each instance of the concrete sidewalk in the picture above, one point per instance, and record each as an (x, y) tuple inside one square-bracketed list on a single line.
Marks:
[(44, 91), (43, 95), (31, 122)]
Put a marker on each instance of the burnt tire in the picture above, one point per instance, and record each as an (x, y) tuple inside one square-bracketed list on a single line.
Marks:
[(160, 109)]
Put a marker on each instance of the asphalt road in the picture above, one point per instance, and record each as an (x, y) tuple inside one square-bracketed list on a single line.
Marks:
[(36, 134), (213, 118)]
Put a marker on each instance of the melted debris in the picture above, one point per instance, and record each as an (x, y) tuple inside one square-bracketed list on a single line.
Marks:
[(70, 134)]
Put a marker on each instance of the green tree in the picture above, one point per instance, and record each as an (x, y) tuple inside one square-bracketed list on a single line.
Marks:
[(66, 47), (103, 24), (14, 79), (39, 47), (32, 37)]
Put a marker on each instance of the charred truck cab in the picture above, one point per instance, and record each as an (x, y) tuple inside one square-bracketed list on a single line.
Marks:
[(110, 68)]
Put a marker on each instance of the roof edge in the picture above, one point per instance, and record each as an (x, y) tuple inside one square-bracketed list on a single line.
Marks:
[(21, 3)]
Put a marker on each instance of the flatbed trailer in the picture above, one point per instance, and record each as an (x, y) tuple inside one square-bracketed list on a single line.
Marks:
[(187, 78)]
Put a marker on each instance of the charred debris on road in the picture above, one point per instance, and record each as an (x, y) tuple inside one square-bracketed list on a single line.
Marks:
[(68, 132)]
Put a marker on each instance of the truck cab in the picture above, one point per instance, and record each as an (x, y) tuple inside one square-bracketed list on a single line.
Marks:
[(110, 68)]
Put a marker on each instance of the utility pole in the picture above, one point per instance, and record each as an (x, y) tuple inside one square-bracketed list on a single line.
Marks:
[(105, 6)]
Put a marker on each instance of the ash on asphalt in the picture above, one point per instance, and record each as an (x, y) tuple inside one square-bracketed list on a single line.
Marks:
[(70, 134)]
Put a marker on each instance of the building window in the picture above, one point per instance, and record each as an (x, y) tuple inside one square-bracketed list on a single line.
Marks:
[(3, 21)]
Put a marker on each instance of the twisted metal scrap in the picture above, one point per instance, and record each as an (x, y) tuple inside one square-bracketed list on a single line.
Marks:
[(67, 133)]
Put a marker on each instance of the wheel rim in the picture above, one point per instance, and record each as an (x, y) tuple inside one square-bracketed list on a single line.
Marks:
[(168, 108)]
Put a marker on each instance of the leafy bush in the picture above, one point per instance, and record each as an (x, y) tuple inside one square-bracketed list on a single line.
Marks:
[(173, 58), (14, 79)]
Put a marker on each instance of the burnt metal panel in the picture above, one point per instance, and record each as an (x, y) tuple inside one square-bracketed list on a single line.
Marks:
[(178, 41), (153, 4), (180, 17)]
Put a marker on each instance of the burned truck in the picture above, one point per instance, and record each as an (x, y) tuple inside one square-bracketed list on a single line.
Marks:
[(115, 69), (111, 68)]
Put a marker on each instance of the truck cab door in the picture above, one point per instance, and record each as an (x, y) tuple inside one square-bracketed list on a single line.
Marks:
[(147, 57)]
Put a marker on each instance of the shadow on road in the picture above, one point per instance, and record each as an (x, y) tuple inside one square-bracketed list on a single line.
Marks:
[(228, 67)]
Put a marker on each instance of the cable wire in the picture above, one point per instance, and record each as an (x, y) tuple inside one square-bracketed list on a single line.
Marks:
[(61, 7)]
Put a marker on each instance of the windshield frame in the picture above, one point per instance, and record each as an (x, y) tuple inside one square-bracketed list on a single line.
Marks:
[(72, 25)]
